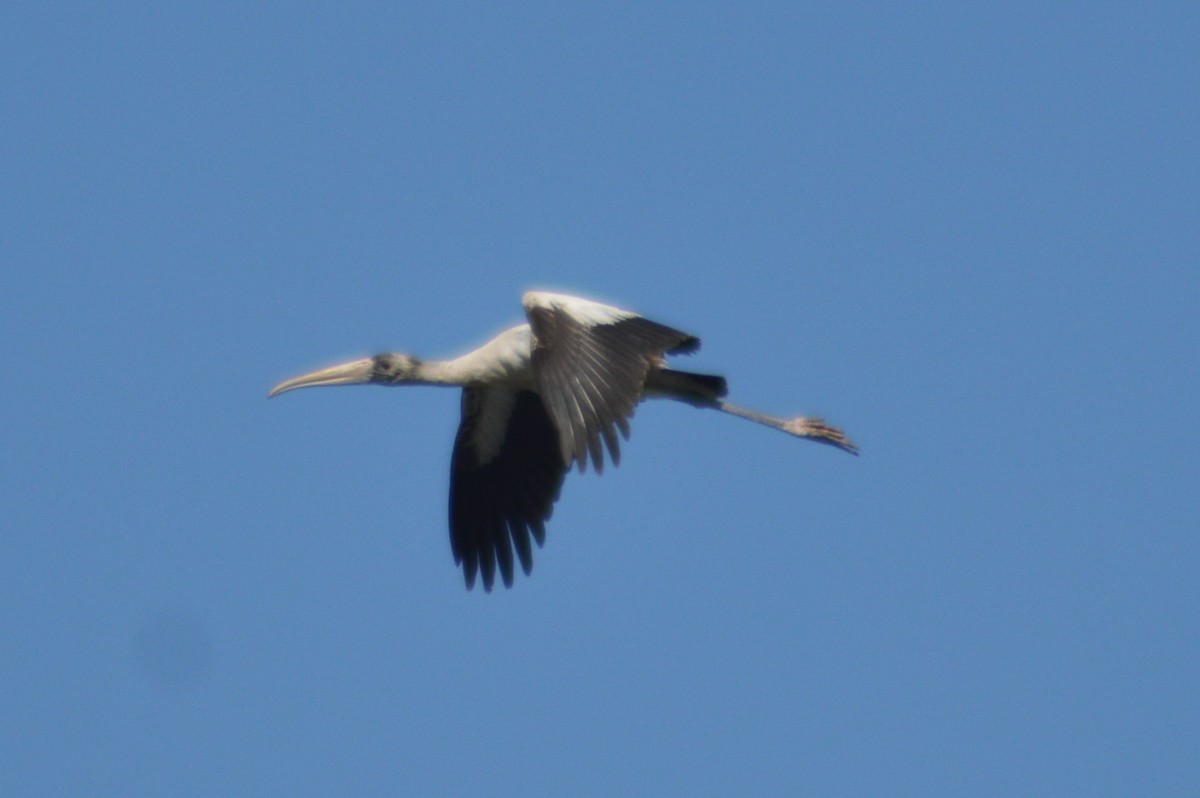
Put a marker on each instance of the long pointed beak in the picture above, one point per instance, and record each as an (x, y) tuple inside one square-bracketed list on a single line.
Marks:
[(352, 373)]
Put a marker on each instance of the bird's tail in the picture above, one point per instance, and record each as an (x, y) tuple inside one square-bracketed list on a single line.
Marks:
[(701, 390)]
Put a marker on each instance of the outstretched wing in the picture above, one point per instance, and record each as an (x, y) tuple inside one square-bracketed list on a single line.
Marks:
[(505, 475), (590, 362)]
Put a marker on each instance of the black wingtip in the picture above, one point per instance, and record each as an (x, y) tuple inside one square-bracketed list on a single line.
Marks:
[(685, 347)]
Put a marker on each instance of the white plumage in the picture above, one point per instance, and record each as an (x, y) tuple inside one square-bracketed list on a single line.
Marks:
[(538, 398)]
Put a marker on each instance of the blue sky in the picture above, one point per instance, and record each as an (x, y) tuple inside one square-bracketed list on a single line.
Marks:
[(968, 236)]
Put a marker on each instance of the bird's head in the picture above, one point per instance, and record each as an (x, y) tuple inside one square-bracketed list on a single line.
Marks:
[(385, 369), (392, 368)]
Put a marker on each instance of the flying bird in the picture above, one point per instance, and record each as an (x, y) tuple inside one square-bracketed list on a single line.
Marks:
[(539, 398)]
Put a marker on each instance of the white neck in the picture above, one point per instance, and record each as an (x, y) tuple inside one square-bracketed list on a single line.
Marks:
[(504, 360)]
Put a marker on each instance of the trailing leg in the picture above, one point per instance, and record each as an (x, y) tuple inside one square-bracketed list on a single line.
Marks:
[(813, 429)]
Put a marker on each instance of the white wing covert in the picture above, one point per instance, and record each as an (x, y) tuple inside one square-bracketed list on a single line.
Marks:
[(590, 362)]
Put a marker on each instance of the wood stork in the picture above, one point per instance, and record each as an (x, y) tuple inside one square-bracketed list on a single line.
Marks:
[(538, 398)]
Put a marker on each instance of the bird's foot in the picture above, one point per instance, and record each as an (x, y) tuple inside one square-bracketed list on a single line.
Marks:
[(817, 430)]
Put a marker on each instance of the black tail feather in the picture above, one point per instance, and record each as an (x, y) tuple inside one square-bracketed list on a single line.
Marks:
[(697, 389)]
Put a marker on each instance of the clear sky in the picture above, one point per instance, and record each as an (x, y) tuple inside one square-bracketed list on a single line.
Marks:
[(967, 237)]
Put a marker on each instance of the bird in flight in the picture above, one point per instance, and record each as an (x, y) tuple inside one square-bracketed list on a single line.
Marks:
[(539, 398)]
